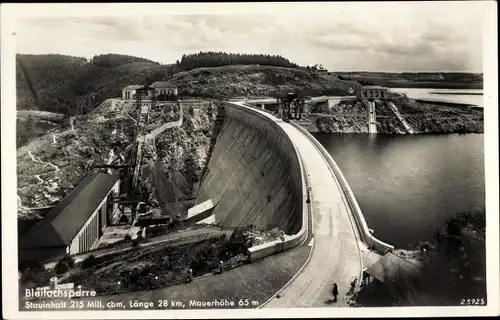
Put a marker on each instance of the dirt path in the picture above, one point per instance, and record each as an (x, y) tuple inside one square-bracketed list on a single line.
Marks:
[(41, 162), (72, 123), (168, 125)]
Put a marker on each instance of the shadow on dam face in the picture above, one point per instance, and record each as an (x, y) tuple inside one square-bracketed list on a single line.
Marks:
[(253, 175)]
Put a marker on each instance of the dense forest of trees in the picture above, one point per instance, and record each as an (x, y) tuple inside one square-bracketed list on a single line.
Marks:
[(218, 59), (116, 60)]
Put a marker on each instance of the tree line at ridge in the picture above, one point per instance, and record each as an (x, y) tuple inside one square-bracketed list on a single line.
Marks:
[(116, 60), (218, 59)]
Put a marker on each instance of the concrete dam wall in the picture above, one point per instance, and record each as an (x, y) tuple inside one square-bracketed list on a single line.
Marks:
[(254, 175)]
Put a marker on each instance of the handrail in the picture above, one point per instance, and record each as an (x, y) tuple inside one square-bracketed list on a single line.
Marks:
[(351, 199)]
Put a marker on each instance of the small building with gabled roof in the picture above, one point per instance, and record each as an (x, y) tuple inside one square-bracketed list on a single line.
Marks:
[(75, 223), (164, 88)]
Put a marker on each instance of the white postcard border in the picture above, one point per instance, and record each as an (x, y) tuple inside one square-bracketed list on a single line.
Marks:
[(10, 12)]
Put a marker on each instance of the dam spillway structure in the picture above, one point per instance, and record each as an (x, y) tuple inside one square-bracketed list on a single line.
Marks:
[(253, 175)]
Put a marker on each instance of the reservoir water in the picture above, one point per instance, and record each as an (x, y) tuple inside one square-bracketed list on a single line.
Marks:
[(465, 96), (409, 185)]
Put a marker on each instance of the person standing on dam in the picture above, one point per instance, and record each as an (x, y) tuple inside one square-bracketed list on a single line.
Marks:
[(335, 292)]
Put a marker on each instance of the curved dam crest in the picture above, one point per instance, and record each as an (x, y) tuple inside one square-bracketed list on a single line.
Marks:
[(253, 175)]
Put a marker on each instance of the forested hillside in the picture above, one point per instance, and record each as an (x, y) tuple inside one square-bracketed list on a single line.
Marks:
[(116, 60), (43, 81), (73, 85)]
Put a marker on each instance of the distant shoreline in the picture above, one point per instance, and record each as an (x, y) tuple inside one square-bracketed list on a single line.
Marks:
[(433, 85), (452, 104), (460, 93), (457, 85)]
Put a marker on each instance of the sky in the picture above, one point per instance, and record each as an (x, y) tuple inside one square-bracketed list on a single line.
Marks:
[(366, 36)]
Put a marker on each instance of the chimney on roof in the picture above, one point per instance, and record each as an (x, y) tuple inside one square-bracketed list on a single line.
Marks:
[(53, 283)]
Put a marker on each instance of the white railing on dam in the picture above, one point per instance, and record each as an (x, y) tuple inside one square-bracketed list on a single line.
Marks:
[(266, 120), (367, 236)]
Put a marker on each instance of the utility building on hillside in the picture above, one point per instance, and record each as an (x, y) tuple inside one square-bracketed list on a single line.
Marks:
[(133, 91), (128, 93), (371, 92), (145, 93), (75, 223), (164, 88), (159, 90)]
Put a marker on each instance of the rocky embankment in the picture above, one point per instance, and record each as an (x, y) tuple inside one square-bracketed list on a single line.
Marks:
[(345, 117), (349, 116), (436, 118), (254, 80), (173, 162), (49, 167), (52, 165)]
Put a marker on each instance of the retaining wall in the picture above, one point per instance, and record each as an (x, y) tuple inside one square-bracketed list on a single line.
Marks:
[(256, 176)]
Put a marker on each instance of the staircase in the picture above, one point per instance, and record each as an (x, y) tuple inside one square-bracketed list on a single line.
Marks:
[(372, 123)]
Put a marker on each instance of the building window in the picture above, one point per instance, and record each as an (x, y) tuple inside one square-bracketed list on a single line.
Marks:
[(365, 93)]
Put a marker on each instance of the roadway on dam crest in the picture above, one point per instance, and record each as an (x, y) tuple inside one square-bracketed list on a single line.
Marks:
[(336, 255)]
